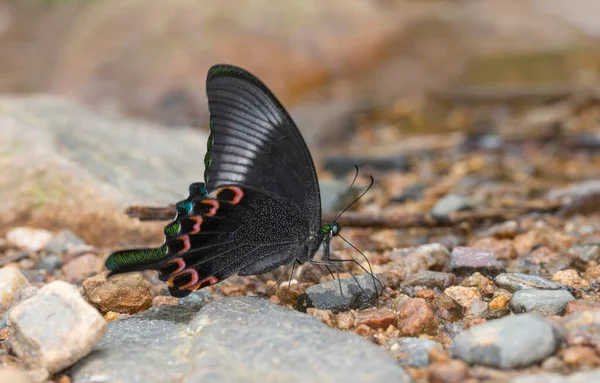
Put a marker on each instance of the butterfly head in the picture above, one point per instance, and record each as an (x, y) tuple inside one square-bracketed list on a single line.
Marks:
[(332, 229)]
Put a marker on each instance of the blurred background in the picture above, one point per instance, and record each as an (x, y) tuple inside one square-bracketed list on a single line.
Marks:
[(402, 85)]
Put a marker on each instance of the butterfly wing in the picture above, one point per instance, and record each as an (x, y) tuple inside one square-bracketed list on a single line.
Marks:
[(259, 202)]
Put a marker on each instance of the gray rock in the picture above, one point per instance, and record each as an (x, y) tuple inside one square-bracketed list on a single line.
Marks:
[(431, 279), (412, 352), (328, 296), (55, 328), (467, 260), (586, 253), (579, 377), (546, 302), (511, 342), (65, 241), (450, 203), (232, 340), (49, 263), (517, 281)]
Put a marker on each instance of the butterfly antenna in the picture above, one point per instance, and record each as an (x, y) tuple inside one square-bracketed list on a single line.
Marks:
[(289, 283), (347, 193), (370, 271), (356, 200)]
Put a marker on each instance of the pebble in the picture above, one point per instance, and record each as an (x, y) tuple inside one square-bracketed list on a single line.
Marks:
[(592, 274), (570, 278), (126, 293), (11, 282), (9, 374), (467, 260), (453, 371), (581, 305), (580, 357), (49, 263), (77, 270), (507, 229), (463, 295), (413, 352), (546, 302), (406, 262), (446, 308), (449, 203), (75, 328), (483, 284), (416, 317), (233, 340), (517, 281), (502, 248), (29, 239), (586, 253), (163, 300), (494, 343), (579, 377), (376, 318), (65, 241), (327, 295), (431, 279), (478, 309), (583, 328), (499, 302)]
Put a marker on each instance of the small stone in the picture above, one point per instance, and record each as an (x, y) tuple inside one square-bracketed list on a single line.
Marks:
[(517, 281), (427, 294), (467, 260), (65, 241), (127, 293), (478, 309), (493, 343), (324, 316), (11, 282), (162, 300), (463, 295), (502, 248), (583, 328), (508, 229), (412, 352), (345, 321), (416, 317), (75, 328), (364, 331), (581, 305), (580, 356), (327, 295), (431, 279), (455, 371), (406, 262), (570, 278), (446, 308), (9, 374), (498, 313), (546, 302), (49, 263), (450, 203), (376, 318), (82, 267), (592, 274), (499, 302), (484, 285), (586, 253), (111, 316), (29, 239)]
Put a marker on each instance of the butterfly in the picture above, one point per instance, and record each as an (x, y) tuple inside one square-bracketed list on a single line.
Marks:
[(259, 206)]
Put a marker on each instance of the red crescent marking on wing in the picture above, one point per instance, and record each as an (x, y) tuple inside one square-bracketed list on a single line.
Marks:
[(186, 244), (193, 281), (215, 206), (180, 264), (239, 194), (211, 281), (198, 225)]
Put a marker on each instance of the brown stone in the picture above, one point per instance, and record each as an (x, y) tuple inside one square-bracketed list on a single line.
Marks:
[(454, 371), (416, 317), (123, 293), (163, 300), (580, 356), (426, 294), (483, 284), (324, 316), (77, 270), (581, 305), (570, 278), (499, 302), (463, 295), (364, 330), (376, 318), (592, 274), (446, 308), (345, 321), (467, 260), (503, 248), (111, 316)]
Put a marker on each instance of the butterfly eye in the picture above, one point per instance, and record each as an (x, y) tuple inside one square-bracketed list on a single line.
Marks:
[(336, 228)]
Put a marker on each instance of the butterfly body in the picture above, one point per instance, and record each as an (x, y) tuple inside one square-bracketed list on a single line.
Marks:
[(259, 206)]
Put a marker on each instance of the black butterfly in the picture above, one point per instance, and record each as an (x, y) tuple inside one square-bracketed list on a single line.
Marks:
[(259, 206)]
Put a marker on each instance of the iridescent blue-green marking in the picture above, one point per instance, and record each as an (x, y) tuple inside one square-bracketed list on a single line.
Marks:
[(132, 257), (207, 156), (186, 206), (172, 229)]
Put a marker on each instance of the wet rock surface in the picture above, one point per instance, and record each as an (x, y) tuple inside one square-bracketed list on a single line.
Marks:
[(352, 295), (232, 340)]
